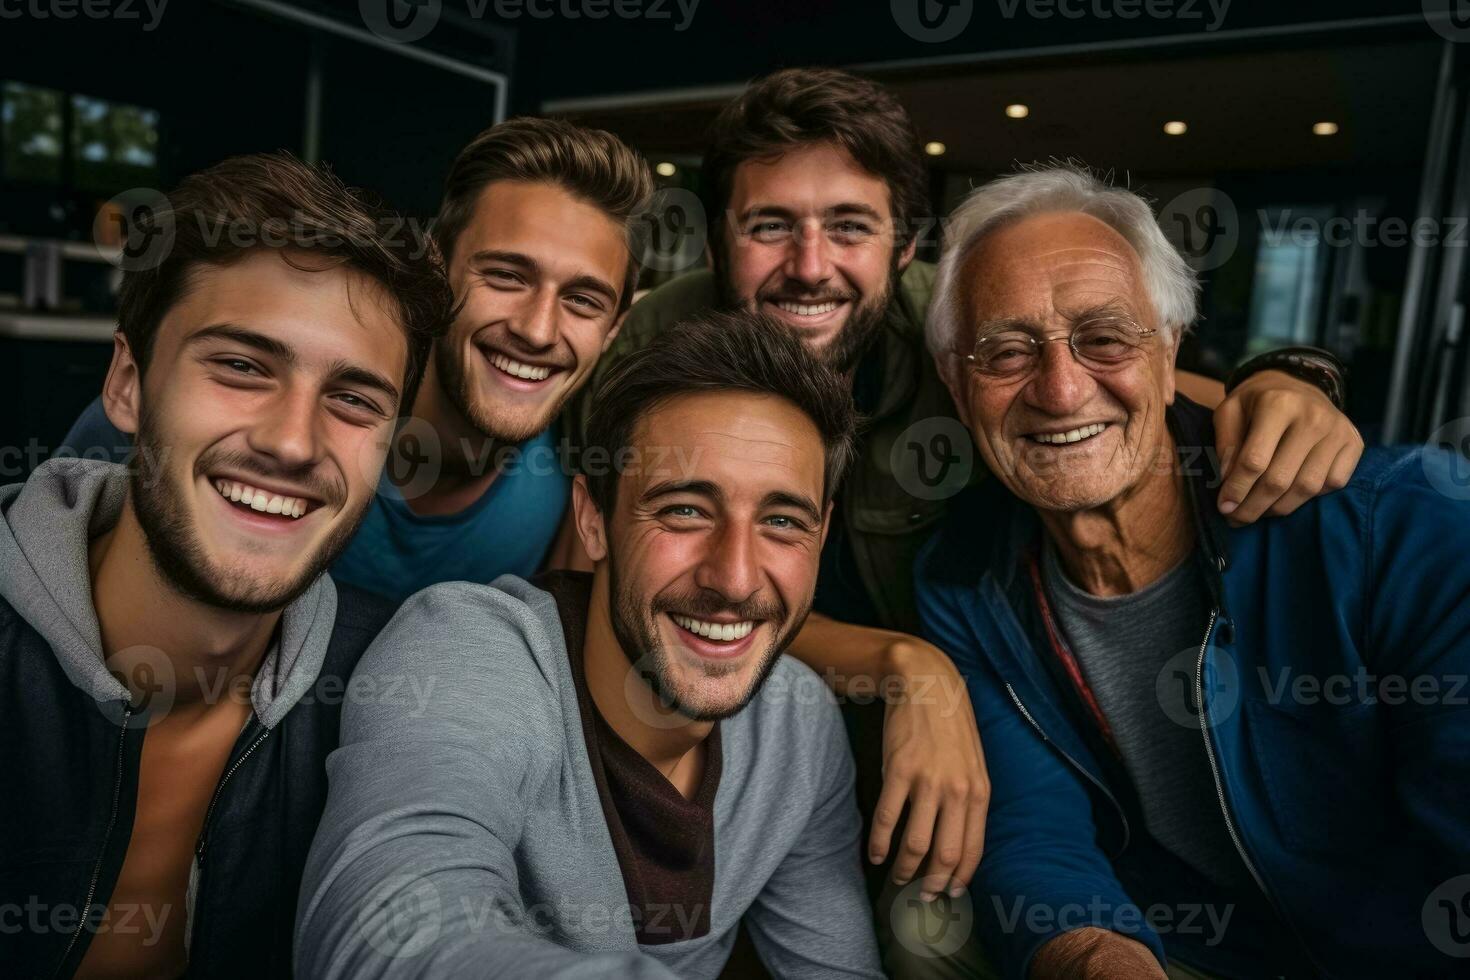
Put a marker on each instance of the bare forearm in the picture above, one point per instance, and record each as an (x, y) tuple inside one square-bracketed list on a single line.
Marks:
[(1094, 954), (855, 660), (1199, 389)]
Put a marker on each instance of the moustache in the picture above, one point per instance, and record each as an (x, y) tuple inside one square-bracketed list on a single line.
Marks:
[(305, 477), (704, 603)]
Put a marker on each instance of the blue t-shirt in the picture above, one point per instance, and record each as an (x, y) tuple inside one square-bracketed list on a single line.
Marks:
[(396, 552)]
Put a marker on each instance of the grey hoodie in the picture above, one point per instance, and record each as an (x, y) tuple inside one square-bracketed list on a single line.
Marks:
[(45, 526)]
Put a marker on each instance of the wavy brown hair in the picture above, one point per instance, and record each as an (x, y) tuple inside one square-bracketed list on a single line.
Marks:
[(273, 200)]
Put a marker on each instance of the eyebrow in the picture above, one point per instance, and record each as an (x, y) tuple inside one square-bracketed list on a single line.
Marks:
[(341, 370), (836, 210), (1027, 324), (523, 261), (806, 505)]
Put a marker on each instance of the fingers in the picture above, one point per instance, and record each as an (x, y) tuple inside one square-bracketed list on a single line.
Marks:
[(1310, 480), (974, 845), (885, 815), (1279, 475), (1248, 465), (918, 834), (1229, 428), (1346, 463), (946, 848)]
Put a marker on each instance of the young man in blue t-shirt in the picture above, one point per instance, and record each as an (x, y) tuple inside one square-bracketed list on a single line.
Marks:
[(535, 230)]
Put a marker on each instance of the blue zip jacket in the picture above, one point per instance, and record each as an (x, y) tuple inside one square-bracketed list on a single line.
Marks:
[(1333, 678)]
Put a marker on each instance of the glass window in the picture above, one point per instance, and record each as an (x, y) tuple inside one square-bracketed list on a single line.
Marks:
[(115, 146), (31, 133)]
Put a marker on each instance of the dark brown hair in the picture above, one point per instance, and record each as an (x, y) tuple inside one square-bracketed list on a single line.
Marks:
[(799, 107), (718, 351), (273, 200), (590, 164)]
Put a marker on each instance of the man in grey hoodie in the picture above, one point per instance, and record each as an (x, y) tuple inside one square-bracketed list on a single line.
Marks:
[(620, 766), (172, 656)]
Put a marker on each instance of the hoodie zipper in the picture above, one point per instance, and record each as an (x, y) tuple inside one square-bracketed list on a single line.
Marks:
[(1127, 833), (122, 741), (204, 830)]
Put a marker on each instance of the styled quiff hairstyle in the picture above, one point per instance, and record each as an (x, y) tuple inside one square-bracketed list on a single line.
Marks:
[(273, 200), (590, 164), (799, 107), (718, 351)]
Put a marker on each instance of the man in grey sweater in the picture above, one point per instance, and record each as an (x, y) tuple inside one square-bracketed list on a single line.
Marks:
[(618, 768)]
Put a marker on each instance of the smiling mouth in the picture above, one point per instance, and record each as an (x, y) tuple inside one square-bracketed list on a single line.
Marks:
[(716, 632), (518, 369), (1080, 434), (247, 497), (799, 309)]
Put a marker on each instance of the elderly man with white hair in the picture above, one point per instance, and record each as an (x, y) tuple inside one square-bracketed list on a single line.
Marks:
[(1218, 751)]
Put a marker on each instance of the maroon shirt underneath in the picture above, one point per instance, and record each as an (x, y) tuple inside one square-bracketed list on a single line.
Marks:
[(665, 844)]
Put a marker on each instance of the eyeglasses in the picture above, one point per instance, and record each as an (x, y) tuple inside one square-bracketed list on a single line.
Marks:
[(1100, 346)]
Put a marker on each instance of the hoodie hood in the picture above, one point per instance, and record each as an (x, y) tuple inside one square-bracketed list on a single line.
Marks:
[(46, 524)]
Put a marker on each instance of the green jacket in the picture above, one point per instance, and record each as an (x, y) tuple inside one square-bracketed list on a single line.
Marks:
[(913, 453)]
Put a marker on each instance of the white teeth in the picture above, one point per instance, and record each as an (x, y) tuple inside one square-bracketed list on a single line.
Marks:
[(526, 372), (807, 309), (248, 496), (1071, 435), (723, 632)]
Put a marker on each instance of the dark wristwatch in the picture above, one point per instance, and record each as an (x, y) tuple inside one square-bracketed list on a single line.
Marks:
[(1310, 364)]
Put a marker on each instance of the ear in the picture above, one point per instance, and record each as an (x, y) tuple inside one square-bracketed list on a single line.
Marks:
[(591, 527), (617, 326), (122, 388), (953, 371), (908, 253), (1171, 356)]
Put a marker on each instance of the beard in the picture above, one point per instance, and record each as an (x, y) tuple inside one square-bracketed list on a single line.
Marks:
[(159, 502), (456, 382), (635, 625), (845, 351)]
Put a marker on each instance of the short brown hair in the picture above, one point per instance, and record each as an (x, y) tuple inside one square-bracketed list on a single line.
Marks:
[(799, 107), (589, 164), (273, 200), (718, 351)]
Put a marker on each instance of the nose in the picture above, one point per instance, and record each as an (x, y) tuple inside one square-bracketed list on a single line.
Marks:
[(810, 258), (1061, 386), (535, 323), (288, 429), (729, 564)]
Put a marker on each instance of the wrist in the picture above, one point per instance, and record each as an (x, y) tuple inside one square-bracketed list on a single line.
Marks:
[(1311, 365)]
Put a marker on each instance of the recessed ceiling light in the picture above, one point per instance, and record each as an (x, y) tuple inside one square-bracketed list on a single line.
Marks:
[(1324, 129), (1175, 128), (666, 169), (1018, 111), (935, 149)]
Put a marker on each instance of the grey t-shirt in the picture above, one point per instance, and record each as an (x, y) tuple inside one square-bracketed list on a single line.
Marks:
[(1122, 643)]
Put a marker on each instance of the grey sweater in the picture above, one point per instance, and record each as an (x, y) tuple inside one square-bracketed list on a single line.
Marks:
[(464, 836)]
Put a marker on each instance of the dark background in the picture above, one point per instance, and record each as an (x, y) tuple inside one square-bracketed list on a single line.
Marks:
[(133, 107)]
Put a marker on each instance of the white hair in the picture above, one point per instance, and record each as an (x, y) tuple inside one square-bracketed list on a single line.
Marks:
[(1169, 281)]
